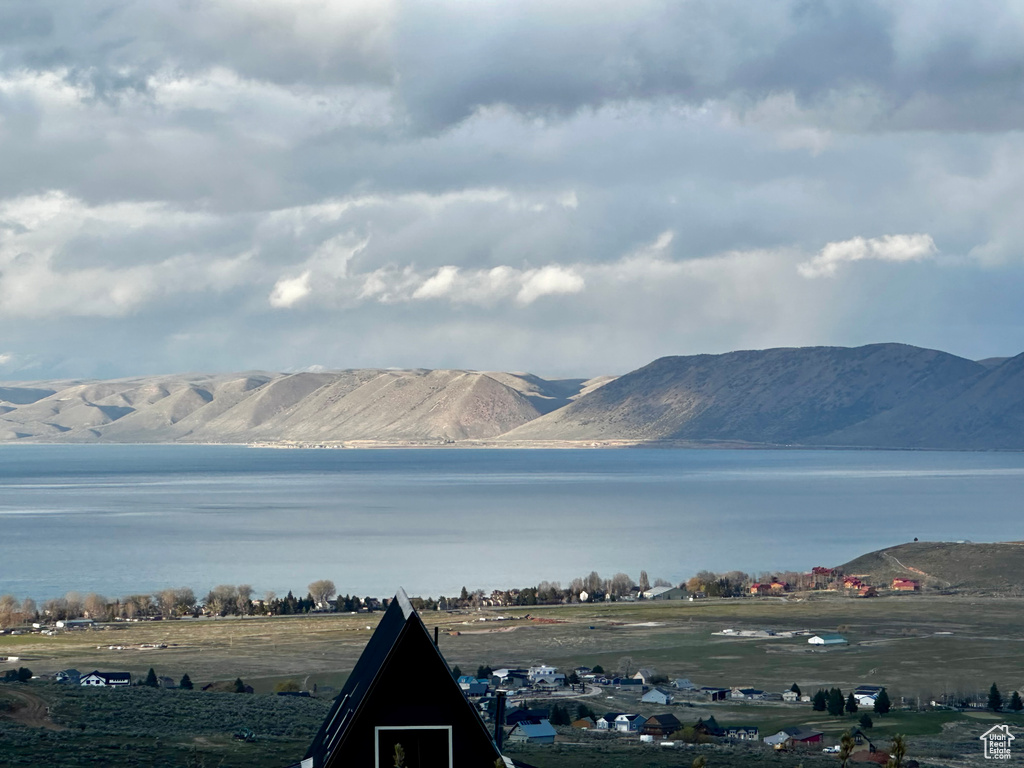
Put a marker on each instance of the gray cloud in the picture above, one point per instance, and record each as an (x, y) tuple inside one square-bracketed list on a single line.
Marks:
[(563, 187)]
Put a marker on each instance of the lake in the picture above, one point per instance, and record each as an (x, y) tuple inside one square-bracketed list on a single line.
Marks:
[(120, 519)]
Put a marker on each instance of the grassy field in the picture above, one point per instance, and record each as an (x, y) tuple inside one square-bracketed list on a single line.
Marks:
[(918, 646)]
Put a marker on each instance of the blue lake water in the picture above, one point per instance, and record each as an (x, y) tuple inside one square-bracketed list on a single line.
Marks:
[(123, 519)]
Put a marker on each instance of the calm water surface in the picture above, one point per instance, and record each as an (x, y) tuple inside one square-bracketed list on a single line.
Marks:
[(121, 519)]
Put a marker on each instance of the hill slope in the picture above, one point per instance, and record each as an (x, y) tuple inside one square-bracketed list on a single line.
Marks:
[(780, 396), (996, 567), (368, 404)]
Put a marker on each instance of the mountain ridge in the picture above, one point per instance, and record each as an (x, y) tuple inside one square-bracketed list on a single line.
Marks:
[(875, 396)]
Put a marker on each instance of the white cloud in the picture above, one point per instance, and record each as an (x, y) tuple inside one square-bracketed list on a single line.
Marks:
[(895, 248), (549, 281), (289, 291)]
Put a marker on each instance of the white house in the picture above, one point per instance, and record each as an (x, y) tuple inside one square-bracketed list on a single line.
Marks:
[(607, 722), (657, 696), (790, 696), (827, 640), (106, 679), (629, 723)]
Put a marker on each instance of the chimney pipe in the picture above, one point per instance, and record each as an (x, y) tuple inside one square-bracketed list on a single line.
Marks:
[(499, 720), (435, 637)]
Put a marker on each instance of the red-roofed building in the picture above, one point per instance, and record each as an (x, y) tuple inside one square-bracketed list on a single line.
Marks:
[(760, 589), (906, 585)]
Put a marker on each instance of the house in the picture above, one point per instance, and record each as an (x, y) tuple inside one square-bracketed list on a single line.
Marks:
[(741, 732), (684, 684), (661, 725), (166, 682), (709, 727), (607, 721), (760, 589), (629, 723), (778, 587), (867, 592), (829, 639), (749, 694), (584, 723), (866, 695), (645, 675), (665, 593), (106, 679), (72, 676), (626, 682), (535, 733), (657, 696), (790, 697), (793, 736), (715, 694), (906, 585), (367, 722), (526, 716)]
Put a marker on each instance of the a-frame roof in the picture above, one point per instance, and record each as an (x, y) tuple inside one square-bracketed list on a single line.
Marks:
[(381, 693)]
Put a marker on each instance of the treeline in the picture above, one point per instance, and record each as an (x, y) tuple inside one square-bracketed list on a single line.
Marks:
[(222, 600), (321, 595)]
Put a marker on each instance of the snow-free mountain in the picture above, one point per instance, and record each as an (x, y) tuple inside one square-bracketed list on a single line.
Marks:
[(881, 395)]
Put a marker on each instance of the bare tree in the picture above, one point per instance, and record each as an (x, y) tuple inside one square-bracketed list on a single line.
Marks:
[(626, 666), (8, 610), (95, 606), (322, 592), (645, 582), (167, 599), (269, 596), (184, 600), (28, 608), (621, 584), (592, 583), (73, 605), (662, 583)]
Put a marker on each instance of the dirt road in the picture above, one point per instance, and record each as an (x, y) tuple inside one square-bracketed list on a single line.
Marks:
[(29, 709)]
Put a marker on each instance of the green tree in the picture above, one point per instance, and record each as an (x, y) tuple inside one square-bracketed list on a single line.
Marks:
[(483, 672), (151, 680), (1016, 705), (897, 751), (836, 702), (846, 746), (866, 721), (995, 699), (598, 669), (239, 685), (186, 682), (882, 703), (851, 704), (820, 701), (456, 672), (559, 715), (699, 762), (24, 674), (795, 689), (584, 711)]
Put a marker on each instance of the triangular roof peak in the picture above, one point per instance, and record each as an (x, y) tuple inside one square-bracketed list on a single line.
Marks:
[(377, 712)]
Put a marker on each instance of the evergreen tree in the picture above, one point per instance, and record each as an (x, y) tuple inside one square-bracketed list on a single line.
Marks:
[(483, 672), (866, 721), (836, 702), (186, 682), (995, 699), (1016, 705), (24, 674), (239, 685), (584, 711), (820, 701), (882, 703), (795, 689), (151, 680), (598, 669), (851, 704), (456, 672)]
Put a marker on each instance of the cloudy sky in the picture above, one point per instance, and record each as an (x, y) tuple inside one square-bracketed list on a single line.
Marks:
[(569, 188)]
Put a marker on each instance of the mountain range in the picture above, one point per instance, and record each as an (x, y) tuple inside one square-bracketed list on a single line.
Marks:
[(880, 395)]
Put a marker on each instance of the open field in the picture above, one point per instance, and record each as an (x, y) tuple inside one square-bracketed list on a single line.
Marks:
[(918, 646)]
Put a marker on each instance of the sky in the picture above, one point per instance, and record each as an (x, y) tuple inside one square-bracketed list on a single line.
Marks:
[(566, 188)]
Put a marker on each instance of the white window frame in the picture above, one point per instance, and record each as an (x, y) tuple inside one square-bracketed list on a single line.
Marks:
[(379, 728)]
